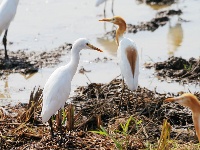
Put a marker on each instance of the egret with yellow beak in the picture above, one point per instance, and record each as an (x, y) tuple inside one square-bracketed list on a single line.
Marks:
[(58, 86)]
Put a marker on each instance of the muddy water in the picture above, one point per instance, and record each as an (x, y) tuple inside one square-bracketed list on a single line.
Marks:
[(42, 25)]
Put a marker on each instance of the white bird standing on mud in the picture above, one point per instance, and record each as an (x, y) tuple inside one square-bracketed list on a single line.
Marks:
[(8, 10), (189, 100), (58, 86), (99, 2), (127, 54)]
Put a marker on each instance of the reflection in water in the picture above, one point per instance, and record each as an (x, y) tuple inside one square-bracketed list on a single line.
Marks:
[(5, 93), (5, 89), (27, 76), (174, 36), (99, 2), (109, 45), (153, 5)]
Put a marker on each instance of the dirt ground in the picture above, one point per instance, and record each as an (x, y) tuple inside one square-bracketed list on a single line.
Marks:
[(25, 62), (21, 126), (142, 112), (177, 69)]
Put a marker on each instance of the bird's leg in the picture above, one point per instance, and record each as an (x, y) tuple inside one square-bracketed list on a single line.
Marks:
[(60, 125), (5, 43), (104, 11), (59, 120), (128, 101), (50, 124), (123, 87), (112, 7)]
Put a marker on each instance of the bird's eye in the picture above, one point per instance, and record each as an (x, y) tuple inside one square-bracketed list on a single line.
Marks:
[(87, 43)]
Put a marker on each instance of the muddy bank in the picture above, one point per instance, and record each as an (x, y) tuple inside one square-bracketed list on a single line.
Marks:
[(177, 69), (26, 62), (161, 19), (102, 101), (157, 2)]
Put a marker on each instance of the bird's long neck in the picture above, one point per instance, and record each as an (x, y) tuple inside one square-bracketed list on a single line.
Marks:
[(120, 31), (195, 105), (196, 121), (74, 60), (196, 117)]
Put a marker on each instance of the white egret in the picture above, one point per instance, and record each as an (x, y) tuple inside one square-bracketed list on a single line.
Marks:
[(189, 100), (58, 86), (127, 54), (99, 2), (8, 10)]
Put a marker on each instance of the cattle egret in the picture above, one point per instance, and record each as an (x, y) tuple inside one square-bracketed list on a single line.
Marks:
[(8, 10), (99, 2), (190, 101), (127, 54), (58, 86)]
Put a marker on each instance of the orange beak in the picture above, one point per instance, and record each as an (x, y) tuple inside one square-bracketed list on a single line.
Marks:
[(170, 100), (106, 19), (93, 47)]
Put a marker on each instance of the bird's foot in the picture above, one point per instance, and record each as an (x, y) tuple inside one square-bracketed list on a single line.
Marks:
[(7, 62)]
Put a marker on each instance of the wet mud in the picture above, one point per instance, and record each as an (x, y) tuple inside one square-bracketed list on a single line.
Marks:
[(177, 69), (157, 2), (21, 126), (26, 62)]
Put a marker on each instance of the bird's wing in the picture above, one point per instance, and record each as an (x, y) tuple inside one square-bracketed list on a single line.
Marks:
[(132, 57), (55, 93), (7, 13)]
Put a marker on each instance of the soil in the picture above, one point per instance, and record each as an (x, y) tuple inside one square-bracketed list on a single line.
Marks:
[(177, 69), (158, 2), (21, 126), (25, 62)]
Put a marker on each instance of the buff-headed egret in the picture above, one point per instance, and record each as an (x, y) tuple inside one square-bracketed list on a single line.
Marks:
[(99, 2), (8, 10), (58, 86), (189, 100), (127, 54)]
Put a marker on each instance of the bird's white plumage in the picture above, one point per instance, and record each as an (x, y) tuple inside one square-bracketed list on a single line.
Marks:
[(8, 10), (56, 91), (58, 86), (126, 69), (99, 2)]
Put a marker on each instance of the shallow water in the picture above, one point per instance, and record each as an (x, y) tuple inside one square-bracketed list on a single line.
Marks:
[(42, 25)]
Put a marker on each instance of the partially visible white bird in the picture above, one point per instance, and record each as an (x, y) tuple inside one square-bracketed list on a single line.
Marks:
[(8, 10), (58, 86), (127, 54), (99, 2)]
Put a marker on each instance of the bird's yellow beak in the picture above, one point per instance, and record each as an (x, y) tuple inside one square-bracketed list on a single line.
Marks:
[(170, 100), (106, 19), (93, 47)]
